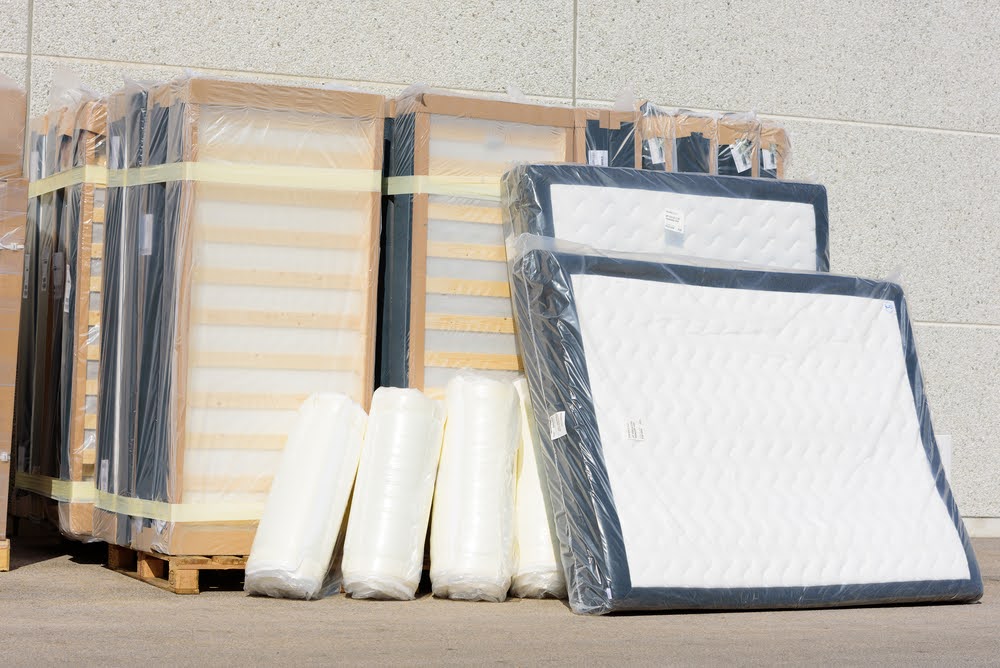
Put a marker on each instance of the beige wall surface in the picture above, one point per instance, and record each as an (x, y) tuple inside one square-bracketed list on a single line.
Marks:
[(894, 106)]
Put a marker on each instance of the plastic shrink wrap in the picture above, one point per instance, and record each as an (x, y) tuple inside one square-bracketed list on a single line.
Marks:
[(13, 200), (447, 301), (229, 320), (384, 549), (294, 545), (12, 123), (472, 527), (739, 145), (58, 414), (718, 436), (775, 150), (538, 573)]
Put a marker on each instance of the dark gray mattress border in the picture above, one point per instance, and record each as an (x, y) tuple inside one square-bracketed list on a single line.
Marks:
[(593, 551)]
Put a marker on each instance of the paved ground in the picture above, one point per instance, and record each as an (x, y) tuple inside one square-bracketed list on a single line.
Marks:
[(57, 607)]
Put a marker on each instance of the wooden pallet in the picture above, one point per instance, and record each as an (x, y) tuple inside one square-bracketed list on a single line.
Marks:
[(175, 574), (4, 556)]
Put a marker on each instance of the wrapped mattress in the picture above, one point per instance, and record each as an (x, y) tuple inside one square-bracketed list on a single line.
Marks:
[(723, 438)]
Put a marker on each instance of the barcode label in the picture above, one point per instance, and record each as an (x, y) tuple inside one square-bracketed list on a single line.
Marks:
[(770, 159), (634, 430), (655, 145), (597, 158), (673, 220), (741, 152), (557, 425)]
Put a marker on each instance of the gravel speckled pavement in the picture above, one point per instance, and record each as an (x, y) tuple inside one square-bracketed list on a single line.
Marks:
[(59, 605)]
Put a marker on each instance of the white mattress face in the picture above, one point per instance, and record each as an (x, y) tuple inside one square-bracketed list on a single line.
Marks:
[(826, 480), (762, 232)]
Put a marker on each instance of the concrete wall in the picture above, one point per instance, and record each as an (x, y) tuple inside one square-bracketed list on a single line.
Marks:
[(895, 107)]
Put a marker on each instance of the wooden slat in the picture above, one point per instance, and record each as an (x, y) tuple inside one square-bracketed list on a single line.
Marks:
[(453, 286), (466, 251), (277, 361), (484, 361), (92, 386), (290, 319), (448, 165), (97, 250), (489, 215), (93, 352), (89, 456), (95, 283), (201, 441), (90, 421), (467, 323), (93, 318), (282, 402), (276, 279), (283, 237)]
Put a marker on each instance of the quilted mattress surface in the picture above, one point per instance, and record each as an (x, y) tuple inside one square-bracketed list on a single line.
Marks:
[(728, 439), (758, 221)]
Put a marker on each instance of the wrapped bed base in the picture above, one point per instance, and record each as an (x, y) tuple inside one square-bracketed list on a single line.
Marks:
[(718, 438)]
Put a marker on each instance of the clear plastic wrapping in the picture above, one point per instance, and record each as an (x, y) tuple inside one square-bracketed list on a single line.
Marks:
[(61, 312), (294, 545), (472, 526), (739, 145), (775, 150), (13, 202), (391, 505), (538, 573), (227, 322), (761, 222), (607, 137), (447, 303), (723, 437), (696, 142), (12, 122)]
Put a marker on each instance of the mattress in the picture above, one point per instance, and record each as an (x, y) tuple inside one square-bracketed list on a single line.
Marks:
[(718, 438), (757, 221)]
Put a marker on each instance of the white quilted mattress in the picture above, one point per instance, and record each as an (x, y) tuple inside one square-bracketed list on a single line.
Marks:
[(721, 438), (758, 221)]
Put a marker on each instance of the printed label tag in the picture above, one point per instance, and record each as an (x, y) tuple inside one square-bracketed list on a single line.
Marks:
[(43, 278), (673, 220), (557, 425), (146, 236), (889, 307), (597, 158), (4, 457), (102, 483), (67, 297), (655, 145), (770, 160), (741, 151), (634, 430)]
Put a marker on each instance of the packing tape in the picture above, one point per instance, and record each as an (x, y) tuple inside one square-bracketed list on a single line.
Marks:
[(179, 512), (94, 174), (69, 491), (474, 187), (274, 176)]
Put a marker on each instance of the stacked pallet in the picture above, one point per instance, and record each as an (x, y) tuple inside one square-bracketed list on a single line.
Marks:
[(59, 357), (13, 195), (246, 247), (446, 305)]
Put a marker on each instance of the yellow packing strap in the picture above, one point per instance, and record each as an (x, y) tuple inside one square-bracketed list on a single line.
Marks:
[(70, 491), (179, 512), (94, 174), (274, 176), (473, 187)]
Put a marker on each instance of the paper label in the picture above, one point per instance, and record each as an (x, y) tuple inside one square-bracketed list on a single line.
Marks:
[(4, 458), (673, 220), (102, 483), (889, 307), (116, 154), (67, 297), (146, 235), (24, 281), (43, 278), (741, 152), (557, 425), (770, 158), (597, 158), (634, 430), (655, 145)]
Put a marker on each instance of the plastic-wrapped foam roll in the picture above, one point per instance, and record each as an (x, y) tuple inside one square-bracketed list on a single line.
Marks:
[(384, 550), (472, 528), (539, 572), (293, 548)]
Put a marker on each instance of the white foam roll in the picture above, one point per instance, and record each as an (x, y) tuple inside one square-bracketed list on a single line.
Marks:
[(384, 550), (472, 528), (538, 573), (293, 548)]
